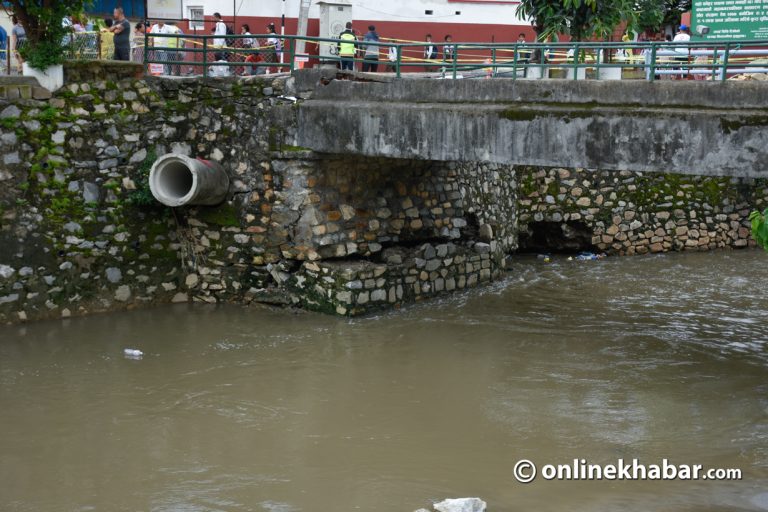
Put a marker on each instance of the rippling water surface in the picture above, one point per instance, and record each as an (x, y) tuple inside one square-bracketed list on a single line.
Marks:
[(238, 409)]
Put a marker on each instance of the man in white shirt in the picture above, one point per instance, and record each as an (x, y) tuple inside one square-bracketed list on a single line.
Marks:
[(220, 29), (175, 43), (682, 36), (161, 43)]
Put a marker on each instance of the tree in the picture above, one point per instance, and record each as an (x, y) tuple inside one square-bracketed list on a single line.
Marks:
[(581, 19), (654, 14), (650, 14), (42, 21)]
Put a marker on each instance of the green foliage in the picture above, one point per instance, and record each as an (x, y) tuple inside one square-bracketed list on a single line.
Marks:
[(224, 215), (650, 14), (9, 122), (760, 227), (48, 114), (654, 14), (142, 196), (581, 19), (42, 21)]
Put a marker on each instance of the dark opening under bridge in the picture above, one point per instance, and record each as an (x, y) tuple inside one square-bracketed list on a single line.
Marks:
[(686, 127)]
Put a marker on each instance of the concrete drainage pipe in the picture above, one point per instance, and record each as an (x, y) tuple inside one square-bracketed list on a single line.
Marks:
[(178, 180)]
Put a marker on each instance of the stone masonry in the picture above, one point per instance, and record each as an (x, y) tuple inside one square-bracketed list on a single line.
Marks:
[(80, 231), (343, 234), (629, 213)]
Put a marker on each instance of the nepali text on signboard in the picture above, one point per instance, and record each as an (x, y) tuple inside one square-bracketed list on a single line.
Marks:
[(731, 19)]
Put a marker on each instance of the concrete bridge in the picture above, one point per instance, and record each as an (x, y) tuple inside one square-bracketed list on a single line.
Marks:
[(684, 127)]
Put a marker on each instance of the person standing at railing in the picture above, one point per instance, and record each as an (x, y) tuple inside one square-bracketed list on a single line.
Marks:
[(683, 36), (173, 44), (137, 48), (67, 25), (107, 40), (347, 48), (3, 50), (77, 25), (523, 56), (449, 50), (371, 56), (219, 30), (247, 41), (122, 31), (160, 44), (430, 53), (19, 39), (275, 46), (392, 59)]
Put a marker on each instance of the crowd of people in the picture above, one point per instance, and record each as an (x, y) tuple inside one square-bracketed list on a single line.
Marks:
[(368, 48), (115, 38)]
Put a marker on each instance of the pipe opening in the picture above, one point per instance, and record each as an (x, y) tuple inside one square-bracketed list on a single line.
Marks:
[(178, 180), (175, 180)]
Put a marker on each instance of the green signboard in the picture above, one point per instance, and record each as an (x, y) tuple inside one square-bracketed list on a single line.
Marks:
[(731, 19)]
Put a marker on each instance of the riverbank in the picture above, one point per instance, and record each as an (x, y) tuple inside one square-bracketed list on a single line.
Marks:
[(80, 231)]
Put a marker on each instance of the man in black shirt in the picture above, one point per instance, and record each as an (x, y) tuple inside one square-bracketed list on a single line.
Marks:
[(122, 30)]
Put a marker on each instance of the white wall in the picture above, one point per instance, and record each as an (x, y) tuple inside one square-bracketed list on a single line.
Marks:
[(391, 10)]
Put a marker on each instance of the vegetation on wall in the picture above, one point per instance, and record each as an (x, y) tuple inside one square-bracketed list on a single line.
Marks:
[(760, 227)]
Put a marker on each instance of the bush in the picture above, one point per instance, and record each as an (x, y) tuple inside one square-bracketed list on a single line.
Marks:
[(760, 228), (42, 21)]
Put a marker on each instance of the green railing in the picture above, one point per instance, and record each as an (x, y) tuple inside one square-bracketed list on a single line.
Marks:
[(201, 55)]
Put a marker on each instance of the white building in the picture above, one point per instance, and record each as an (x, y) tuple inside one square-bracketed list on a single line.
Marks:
[(464, 20)]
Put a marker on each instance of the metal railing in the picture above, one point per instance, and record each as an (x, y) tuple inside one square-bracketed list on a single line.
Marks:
[(211, 55), (77, 46)]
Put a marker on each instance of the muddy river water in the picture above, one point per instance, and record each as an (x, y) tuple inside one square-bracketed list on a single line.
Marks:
[(240, 409)]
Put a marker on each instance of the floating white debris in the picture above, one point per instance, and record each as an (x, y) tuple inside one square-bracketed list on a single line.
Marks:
[(461, 505), (133, 353)]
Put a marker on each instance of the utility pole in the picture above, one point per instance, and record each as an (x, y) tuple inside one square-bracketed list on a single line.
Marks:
[(282, 34), (302, 28)]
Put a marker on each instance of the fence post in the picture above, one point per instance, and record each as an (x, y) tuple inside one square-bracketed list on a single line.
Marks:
[(443, 67), (494, 69), (514, 61), (292, 43), (652, 74), (576, 56), (598, 62), (455, 60), (399, 49), (724, 73), (205, 56), (714, 63), (146, 49)]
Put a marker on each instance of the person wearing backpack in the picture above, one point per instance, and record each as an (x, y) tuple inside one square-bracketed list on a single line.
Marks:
[(371, 57)]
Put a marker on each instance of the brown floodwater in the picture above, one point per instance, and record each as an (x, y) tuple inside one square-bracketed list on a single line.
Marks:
[(254, 409)]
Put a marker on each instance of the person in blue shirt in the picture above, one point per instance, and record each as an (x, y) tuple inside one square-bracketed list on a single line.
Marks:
[(3, 48)]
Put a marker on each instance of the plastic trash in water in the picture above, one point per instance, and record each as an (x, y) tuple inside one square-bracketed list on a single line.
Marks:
[(589, 256), (545, 257), (133, 353), (461, 505)]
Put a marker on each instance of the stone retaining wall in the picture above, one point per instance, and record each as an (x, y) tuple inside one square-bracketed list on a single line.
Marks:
[(629, 213), (345, 234), (80, 232)]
